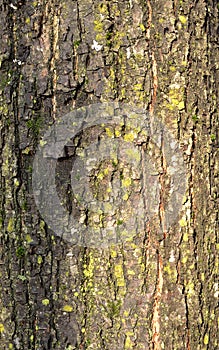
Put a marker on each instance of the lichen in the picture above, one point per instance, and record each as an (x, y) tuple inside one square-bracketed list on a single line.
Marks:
[(118, 271), (67, 308)]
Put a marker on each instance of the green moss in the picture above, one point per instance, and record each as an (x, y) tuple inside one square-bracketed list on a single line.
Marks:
[(5, 80), (20, 252), (195, 118), (76, 43), (35, 124), (113, 308), (213, 137), (119, 222), (22, 278)]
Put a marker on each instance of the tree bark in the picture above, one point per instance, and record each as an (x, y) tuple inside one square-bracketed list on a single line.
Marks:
[(153, 291)]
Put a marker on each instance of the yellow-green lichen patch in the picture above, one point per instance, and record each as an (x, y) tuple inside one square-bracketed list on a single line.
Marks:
[(42, 225), (10, 227), (128, 343), (102, 8), (67, 308), (183, 222), (185, 237), (141, 25), (45, 302), (28, 239), (176, 98), (39, 259), (125, 196), (129, 137), (184, 259), (83, 330), (102, 35), (119, 274), (2, 328), (183, 19), (88, 272), (130, 272), (98, 26), (206, 339), (138, 87), (118, 130), (109, 132), (172, 68), (171, 271), (126, 182), (113, 251), (190, 288)]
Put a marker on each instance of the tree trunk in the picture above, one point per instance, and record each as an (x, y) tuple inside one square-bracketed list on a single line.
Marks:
[(158, 288)]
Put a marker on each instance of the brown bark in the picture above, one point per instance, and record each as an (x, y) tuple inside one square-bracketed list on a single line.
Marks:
[(154, 291)]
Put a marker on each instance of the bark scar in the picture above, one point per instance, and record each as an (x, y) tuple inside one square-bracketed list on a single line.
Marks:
[(155, 84), (156, 306)]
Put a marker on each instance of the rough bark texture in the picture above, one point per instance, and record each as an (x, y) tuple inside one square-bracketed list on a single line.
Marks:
[(152, 292)]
